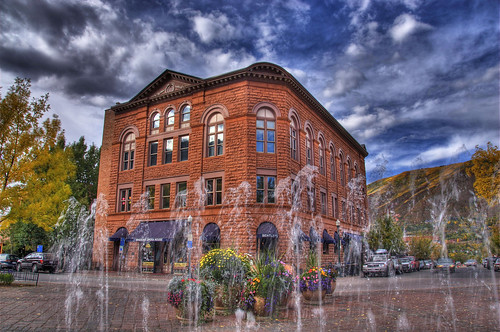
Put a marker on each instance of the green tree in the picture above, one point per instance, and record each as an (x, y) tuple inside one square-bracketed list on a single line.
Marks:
[(23, 238), (486, 171), (19, 134), (385, 233), (86, 160), (421, 247)]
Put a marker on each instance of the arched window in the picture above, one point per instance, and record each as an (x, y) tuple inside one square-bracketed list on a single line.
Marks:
[(321, 153), (155, 123), (349, 170), (210, 237), (215, 139), (356, 170), (267, 239), (342, 169), (293, 139), (128, 152), (185, 116), (333, 169), (309, 147), (170, 120), (266, 131)]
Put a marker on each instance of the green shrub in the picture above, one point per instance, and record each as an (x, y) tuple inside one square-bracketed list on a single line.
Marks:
[(6, 278)]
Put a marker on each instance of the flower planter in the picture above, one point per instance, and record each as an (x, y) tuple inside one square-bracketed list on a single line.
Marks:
[(259, 307), (333, 284), (314, 296)]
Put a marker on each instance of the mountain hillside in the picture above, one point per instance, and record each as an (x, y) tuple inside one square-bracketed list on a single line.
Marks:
[(423, 195)]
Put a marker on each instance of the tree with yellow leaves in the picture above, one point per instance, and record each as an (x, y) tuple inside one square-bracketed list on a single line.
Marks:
[(486, 171)]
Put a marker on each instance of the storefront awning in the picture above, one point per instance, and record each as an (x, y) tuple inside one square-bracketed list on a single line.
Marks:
[(211, 233), (314, 235), (120, 233), (327, 238), (267, 230), (300, 235), (154, 231)]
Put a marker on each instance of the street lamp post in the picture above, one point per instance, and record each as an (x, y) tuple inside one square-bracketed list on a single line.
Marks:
[(189, 244), (337, 223)]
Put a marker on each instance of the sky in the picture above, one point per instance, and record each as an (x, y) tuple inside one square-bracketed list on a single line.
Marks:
[(416, 81)]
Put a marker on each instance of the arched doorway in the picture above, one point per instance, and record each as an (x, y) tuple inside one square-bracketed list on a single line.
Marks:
[(267, 239), (210, 237)]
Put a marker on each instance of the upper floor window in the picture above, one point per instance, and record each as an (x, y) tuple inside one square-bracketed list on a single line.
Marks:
[(321, 150), (125, 199), (153, 153), (309, 147), (333, 169), (266, 129), (185, 116), (165, 196), (349, 171), (183, 148), (311, 197), (170, 120), (323, 202), (168, 147), (213, 189), (293, 139), (155, 123), (150, 192), (181, 197), (215, 135), (128, 152), (266, 186), (342, 170), (335, 206)]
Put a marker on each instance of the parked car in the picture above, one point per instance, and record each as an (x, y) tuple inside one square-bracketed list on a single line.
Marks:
[(37, 261), (445, 265), (405, 264), (471, 262), (8, 261), (497, 265), (379, 264), (398, 268), (414, 264), (428, 264), (488, 262)]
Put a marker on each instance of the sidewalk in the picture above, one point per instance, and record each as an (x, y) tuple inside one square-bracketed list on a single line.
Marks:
[(138, 304)]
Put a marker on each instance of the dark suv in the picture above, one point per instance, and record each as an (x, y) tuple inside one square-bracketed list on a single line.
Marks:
[(8, 261), (38, 261)]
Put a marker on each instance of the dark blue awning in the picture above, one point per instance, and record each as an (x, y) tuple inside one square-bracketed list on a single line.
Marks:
[(211, 233), (300, 235), (120, 233), (314, 235), (267, 230), (327, 238), (154, 231)]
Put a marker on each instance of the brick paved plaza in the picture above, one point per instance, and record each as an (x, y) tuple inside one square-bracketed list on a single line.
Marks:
[(139, 305)]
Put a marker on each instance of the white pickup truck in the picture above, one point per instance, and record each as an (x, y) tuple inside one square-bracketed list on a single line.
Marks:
[(379, 264)]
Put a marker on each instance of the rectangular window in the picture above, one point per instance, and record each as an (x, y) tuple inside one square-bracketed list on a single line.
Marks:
[(150, 191), (125, 160), (125, 199), (165, 196), (325, 248), (270, 137), (181, 197), (168, 150), (184, 148), (213, 191), (335, 207), (260, 139), (323, 202), (153, 153), (266, 186), (311, 198), (344, 211)]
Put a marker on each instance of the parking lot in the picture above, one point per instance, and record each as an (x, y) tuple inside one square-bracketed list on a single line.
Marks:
[(97, 301)]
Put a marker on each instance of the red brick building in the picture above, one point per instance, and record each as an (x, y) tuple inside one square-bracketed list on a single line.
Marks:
[(248, 159)]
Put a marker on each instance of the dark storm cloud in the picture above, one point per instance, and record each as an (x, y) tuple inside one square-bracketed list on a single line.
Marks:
[(416, 81)]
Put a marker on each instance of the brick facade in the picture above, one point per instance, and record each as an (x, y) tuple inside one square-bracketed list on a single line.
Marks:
[(237, 96)]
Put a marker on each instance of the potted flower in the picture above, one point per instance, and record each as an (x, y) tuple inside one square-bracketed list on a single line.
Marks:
[(273, 283), (228, 270), (315, 283), (193, 299)]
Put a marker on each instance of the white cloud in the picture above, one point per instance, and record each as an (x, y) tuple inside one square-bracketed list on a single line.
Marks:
[(220, 61), (345, 80), (406, 25), (365, 123), (214, 26)]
